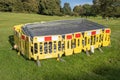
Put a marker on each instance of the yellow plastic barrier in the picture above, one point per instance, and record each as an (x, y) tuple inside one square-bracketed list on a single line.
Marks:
[(47, 47), (106, 37), (86, 42), (96, 38), (17, 35), (77, 42), (68, 44), (99, 36)]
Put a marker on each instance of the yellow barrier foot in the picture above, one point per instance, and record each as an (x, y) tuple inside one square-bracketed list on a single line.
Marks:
[(18, 53), (87, 53), (100, 50), (60, 59), (38, 62)]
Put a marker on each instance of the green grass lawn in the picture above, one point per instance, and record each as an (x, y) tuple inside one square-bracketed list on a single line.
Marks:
[(99, 66)]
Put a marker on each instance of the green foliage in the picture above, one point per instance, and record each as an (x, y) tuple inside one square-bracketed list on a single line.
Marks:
[(49, 7), (30, 5), (6, 5), (19, 5), (84, 10), (87, 9), (78, 10), (66, 9), (107, 8), (116, 6)]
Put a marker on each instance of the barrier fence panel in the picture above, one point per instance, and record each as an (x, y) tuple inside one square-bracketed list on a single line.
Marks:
[(77, 42), (27, 52), (68, 44), (22, 44), (106, 37), (17, 37), (95, 38), (99, 35), (100, 40), (86, 42), (47, 47)]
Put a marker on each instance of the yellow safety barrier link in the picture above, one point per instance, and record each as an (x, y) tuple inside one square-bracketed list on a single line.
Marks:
[(68, 44), (77, 42), (86, 42), (99, 35), (106, 36)]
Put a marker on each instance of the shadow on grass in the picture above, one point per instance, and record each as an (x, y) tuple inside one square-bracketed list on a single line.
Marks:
[(100, 73), (110, 73), (11, 40)]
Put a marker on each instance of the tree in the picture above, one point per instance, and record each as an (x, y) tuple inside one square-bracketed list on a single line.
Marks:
[(6, 5), (96, 7), (30, 5), (49, 7), (106, 8), (66, 9), (87, 10), (19, 5), (116, 6), (78, 10)]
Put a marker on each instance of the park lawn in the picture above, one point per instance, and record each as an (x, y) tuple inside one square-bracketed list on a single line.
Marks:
[(99, 66)]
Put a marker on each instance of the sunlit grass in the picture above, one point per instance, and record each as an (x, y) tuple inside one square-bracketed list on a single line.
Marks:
[(99, 66)]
